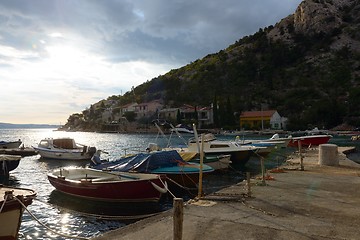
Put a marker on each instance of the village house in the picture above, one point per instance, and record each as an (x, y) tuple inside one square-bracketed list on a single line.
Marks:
[(267, 119), (203, 115), (148, 109)]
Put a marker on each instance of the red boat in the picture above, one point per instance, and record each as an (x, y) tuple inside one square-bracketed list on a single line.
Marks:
[(310, 140), (12, 202), (108, 186)]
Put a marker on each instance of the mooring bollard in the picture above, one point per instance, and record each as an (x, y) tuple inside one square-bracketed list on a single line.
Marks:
[(248, 184), (178, 218)]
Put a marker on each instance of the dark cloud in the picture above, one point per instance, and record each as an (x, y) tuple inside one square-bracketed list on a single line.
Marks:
[(156, 30)]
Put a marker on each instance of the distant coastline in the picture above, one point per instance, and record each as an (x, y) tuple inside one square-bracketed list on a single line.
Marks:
[(14, 126)]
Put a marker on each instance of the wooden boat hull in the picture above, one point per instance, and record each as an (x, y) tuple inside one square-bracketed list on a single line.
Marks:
[(307, 141), (11, 210), (105, 186), (8, 163)]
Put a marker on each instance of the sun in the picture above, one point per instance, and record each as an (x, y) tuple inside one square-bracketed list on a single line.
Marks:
[(66, 58)]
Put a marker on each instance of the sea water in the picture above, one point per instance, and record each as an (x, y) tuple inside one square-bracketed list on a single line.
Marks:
[(57, 216)]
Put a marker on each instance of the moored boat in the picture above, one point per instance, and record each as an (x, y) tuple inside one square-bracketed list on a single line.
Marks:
[(217, 162), (310, 140), (64, 149), (8, 163), (169, 163), (12, 202), (240, 154), (12, 144), (108, 186)]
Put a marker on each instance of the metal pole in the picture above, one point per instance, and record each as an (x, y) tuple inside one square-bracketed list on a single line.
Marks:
[(201, 167)]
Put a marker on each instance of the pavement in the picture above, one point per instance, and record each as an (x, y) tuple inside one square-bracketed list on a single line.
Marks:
[(319, 202)]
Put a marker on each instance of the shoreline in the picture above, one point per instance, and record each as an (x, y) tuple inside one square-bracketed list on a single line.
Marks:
[(317, 203)]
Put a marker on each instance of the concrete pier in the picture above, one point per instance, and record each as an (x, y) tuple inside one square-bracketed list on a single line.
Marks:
[(320, 202)]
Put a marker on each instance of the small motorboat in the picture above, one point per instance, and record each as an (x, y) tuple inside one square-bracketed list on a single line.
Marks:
[(169, 163), (8, 163), (309, 140), (240, 154), (64, 149), (12, 202), (9, 145), (108, 186)]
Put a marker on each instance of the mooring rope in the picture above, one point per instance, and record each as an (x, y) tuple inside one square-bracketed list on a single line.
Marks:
[(42, 224)]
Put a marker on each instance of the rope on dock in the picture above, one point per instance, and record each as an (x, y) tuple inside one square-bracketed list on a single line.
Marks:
[(42, 224)]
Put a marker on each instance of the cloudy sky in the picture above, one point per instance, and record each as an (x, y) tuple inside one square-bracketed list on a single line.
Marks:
[(59, 56)]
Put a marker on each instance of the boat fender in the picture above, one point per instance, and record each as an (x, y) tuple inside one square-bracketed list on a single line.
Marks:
[(160, 189)]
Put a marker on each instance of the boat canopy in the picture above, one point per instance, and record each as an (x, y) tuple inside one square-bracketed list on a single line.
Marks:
[(144, 162)]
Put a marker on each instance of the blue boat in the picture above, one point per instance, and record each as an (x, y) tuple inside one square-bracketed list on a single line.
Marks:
[(170, 163)]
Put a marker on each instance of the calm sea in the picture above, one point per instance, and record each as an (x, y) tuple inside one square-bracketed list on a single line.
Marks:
[(75, 217)]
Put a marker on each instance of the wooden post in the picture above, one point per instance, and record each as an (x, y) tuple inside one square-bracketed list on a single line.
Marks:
[(301, 156), (201, 166), (262, 170), (248, 184), (178, 218)]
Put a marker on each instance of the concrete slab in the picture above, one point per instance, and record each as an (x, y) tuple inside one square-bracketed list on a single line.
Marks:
[(320, 202)]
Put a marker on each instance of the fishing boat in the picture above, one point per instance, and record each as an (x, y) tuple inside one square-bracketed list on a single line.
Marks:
[(8, 163), (64, 149), (169, 163), (12, 144), (12, 205), (108, 186), (310, 140)]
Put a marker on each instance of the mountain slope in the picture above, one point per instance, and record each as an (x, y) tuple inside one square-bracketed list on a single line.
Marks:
[(306, 66)]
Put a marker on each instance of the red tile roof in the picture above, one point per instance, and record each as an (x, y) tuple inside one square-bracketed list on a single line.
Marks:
[(267, 113)]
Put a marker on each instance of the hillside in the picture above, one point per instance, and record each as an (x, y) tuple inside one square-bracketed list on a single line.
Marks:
[(307, 67)]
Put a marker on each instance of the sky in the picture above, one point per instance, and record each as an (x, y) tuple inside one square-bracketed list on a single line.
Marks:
[(57, 57)]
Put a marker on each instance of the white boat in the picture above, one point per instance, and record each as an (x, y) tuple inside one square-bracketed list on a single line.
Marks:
[(275, 139), (9, 145), (12, 202), (181, 128), (64, 149), (239, 153)]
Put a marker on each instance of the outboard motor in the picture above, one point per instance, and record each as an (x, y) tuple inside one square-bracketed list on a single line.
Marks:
[(91, 151)]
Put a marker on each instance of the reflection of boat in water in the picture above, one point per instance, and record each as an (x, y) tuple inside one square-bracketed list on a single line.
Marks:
[(12, 202), (111, 211)]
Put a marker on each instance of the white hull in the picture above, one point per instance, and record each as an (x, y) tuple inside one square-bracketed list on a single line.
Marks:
[(63, 154), (64, 149)]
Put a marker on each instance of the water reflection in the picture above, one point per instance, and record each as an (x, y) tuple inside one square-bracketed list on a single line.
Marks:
[(125, 212)]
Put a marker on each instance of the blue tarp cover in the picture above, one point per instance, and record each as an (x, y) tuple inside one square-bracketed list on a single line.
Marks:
[(144, 162)]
